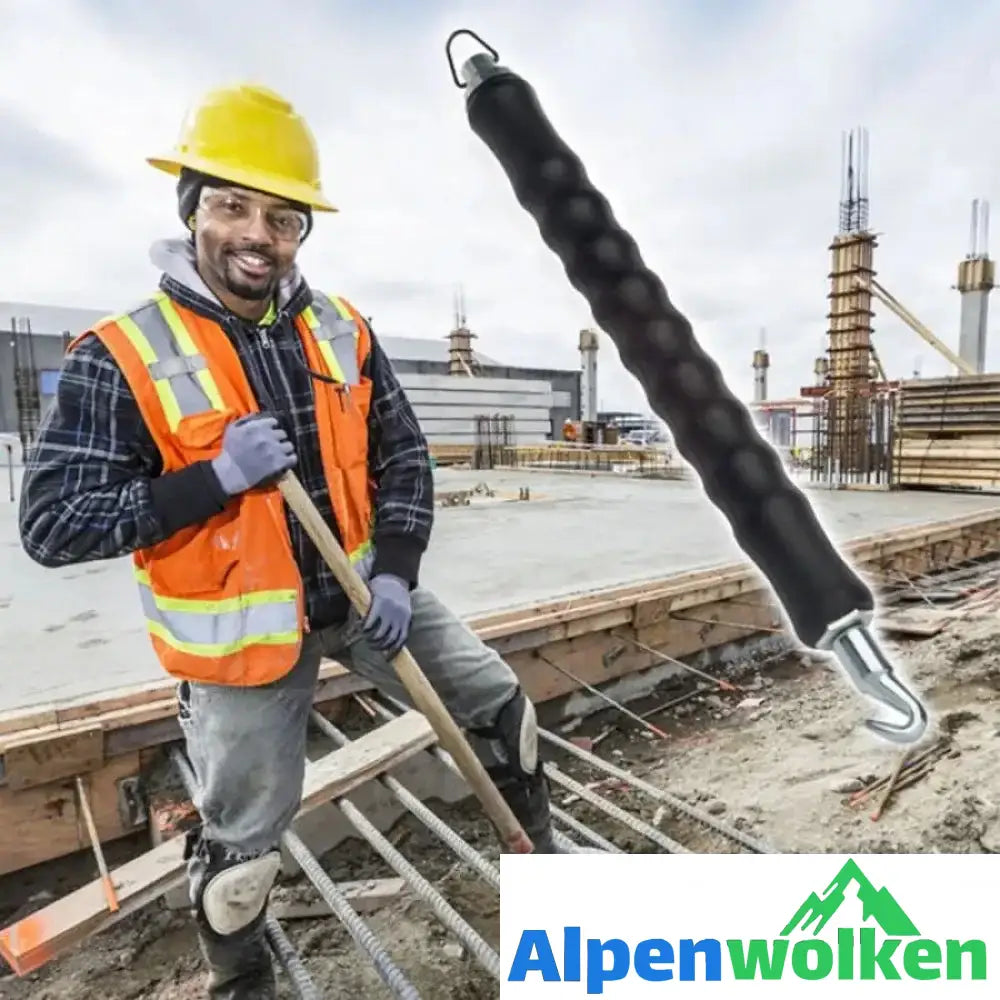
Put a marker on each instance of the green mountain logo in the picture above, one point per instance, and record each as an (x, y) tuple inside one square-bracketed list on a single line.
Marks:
[(877, 904)]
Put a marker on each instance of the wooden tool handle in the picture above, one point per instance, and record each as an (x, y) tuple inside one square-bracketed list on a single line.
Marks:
[(424, 697)]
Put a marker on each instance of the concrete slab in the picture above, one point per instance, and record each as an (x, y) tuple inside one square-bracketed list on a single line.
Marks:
[(75, 632)]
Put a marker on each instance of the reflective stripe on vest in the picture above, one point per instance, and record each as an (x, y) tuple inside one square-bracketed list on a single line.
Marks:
[(180, 373), (185, 385), (219, 628), (336, 332)]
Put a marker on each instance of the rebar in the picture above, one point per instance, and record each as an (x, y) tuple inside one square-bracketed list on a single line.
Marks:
[(584, 831), (692, 812), (616, 812), (483, 953), (562, 841), (604, 696), (288, 958), (362, 934), (284, 951), (661, 796), (426, 816)]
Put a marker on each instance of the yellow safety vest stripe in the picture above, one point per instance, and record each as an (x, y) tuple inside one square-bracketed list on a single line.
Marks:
[(182, 339), (337, 334), (220, 648), (213, 628), (223, 604), (180, 373)]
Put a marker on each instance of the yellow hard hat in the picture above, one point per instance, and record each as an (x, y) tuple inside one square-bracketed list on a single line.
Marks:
[(253, 137)]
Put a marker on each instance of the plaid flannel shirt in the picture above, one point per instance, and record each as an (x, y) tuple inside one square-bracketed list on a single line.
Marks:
[(93, 487)]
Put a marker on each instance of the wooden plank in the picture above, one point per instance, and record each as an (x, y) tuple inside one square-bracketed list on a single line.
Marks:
[(150, 717), (915, 624), (160, 693), (42, 760), (364, 897), (42, 823), (362, 759), (41, 936)]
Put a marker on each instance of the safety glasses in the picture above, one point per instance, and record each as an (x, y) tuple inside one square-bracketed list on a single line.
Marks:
[(237, 208)]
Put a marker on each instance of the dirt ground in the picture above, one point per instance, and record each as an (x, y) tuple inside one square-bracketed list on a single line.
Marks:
[(778, 759)]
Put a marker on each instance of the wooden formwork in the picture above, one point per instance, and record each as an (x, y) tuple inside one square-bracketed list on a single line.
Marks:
[(592, 637)]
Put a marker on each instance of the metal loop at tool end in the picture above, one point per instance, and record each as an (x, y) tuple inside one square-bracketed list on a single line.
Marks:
[(451, 60)]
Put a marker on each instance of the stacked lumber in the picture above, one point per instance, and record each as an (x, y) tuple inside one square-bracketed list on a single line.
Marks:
[(948, 433)]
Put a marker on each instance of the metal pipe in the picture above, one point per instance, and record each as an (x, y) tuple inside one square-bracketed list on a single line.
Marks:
[(660, 795), (887, 299), (434, 823), (615, 812)]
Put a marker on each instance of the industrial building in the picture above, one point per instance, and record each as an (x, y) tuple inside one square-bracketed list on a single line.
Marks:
[(450, 385)]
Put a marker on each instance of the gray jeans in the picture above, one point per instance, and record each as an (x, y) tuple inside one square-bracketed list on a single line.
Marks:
[(247, 745)]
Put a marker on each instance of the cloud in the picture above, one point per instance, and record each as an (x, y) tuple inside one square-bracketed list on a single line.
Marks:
[(44, 172), (713, 129)]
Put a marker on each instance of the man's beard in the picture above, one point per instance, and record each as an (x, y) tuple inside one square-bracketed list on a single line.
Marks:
[(245, 285)]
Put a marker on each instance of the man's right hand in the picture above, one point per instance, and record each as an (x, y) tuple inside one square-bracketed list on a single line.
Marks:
[(254, 450)]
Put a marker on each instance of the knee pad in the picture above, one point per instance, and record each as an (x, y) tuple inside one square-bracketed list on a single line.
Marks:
[(235, 897), (232, 890), (514, 737)]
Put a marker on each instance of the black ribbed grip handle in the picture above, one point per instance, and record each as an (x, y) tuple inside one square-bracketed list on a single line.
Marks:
[(772, 520)]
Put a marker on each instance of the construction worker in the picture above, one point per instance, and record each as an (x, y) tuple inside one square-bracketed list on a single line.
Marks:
[(170, 426)]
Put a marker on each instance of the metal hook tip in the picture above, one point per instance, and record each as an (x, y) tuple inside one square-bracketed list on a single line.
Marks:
[(909, 731)]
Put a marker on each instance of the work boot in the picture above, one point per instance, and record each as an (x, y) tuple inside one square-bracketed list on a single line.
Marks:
[(528, 799), (239, 964)]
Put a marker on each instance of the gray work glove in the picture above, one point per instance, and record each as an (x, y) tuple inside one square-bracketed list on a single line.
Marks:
[(387, 624), (254, 449)]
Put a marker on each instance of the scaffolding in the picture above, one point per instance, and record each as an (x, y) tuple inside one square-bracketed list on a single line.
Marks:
[(849, 408)]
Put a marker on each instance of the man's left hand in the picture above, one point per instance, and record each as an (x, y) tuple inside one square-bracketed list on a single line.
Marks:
[(387, 624)]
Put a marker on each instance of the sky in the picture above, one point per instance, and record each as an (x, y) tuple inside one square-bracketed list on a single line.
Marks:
[(714, 129)]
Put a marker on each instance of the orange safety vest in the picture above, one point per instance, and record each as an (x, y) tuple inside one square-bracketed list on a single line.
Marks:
[(223, 599)]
